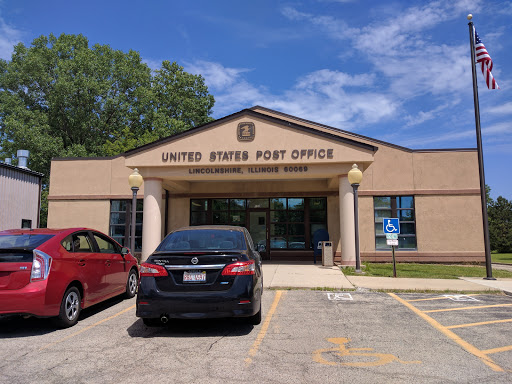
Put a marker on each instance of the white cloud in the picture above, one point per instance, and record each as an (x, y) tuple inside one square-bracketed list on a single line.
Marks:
[(504, 109), (217, 75), (493, 133), (424, 116), (153, 64), (9, 37), (329, 97)]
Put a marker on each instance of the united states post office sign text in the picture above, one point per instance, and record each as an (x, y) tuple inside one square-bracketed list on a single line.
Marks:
[(240, 156)]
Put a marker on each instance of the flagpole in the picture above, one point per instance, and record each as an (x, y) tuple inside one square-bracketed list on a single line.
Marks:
[(488, 264)]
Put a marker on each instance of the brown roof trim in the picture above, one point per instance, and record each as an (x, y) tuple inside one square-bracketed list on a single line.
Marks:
[(445, 150), (356, 135), (86, 158), (257, 115)]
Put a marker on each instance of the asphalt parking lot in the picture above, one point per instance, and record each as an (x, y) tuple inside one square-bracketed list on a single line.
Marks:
[(305, 337)]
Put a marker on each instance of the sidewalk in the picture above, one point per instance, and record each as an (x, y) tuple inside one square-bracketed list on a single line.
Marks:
[(308, 275)]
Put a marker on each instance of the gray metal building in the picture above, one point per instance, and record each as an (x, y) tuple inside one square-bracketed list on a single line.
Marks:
[(20, 197)]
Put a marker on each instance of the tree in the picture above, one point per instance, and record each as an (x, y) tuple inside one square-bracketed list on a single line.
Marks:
[(499, 212), (500, 225), (61, 98)]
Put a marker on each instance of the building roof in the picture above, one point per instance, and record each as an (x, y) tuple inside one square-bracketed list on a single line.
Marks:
[(22, 170)]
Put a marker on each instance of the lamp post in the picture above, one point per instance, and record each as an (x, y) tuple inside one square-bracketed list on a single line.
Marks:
[(354, 178), (135, 181)]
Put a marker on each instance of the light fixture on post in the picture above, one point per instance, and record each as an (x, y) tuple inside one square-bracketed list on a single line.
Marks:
[(135, 181), (354, 178)]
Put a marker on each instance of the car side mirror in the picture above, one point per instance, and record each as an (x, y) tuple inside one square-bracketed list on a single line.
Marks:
[(125, 251), (261, 248)]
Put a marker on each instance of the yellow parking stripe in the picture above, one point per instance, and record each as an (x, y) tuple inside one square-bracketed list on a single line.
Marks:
[(87, 328), (464, 344), (496, 350), (464, 308), (481, 323), (264, 328)]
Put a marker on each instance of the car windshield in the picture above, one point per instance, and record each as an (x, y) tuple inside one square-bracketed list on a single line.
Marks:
[(202, 239), (25, 241)]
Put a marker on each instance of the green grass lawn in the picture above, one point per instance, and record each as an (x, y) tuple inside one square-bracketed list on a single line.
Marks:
[(505, 258), (429, 271)]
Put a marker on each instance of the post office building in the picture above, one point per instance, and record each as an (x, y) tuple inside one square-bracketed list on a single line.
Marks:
[(285, 179)]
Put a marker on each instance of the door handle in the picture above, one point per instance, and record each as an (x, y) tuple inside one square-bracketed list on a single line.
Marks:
[(81, 263), (107, 263)]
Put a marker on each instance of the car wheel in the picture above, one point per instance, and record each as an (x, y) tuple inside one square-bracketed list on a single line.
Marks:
[(255, 319), (151, 322), (131, 284), (69, 308)]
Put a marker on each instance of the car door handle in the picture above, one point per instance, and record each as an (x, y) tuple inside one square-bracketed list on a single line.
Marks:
[(81, 263), (107, 263)]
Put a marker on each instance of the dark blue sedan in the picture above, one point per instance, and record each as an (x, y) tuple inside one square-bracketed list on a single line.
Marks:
[(201, 272)]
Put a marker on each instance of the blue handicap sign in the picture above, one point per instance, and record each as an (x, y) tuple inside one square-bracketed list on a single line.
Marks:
[(391, 225)]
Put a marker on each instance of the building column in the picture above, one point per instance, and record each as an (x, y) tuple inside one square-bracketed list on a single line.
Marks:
[(347, 227), (152, 216)]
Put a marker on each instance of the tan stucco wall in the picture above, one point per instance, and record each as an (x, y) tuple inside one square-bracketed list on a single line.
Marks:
[(178, 212), (79, 213), (333, 222), (92, 177), (246, 187), (449, 224), (446, 170), (269, 136), (366, 224)]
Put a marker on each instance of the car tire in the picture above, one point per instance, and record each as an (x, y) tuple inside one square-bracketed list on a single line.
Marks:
[(255, 319), (151, 322), (69, 308), (131, 284)]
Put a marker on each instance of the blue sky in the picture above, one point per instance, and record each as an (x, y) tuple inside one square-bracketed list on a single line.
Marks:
[(398, 71)]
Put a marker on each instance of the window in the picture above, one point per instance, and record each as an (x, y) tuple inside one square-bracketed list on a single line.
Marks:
[(120, 222), (26, 224), (317, 216), (287, 223), (106, 245), (401, 207), (293, 221), (199, 212), (202, 239), (218, 211), (77, 242)]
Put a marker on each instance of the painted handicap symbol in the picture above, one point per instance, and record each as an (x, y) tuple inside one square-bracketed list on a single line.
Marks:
[(343, 351)]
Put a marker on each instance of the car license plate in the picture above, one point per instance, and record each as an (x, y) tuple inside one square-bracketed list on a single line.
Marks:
[(194, 277)]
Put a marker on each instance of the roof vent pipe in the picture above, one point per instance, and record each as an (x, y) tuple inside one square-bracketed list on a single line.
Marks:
[(22, 158), (8, 160)]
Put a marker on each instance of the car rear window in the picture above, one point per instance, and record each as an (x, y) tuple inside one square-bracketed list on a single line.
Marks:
[(26, 241), (202, 239)]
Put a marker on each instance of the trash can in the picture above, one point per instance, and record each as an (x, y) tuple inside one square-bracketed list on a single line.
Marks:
[(319, 236), (327, 257)]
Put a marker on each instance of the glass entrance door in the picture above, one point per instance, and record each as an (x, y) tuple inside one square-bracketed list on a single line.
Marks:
[(258, 228)]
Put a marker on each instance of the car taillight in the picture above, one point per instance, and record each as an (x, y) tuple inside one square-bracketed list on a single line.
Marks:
[(240, 268), (147, 269), (41, 264)]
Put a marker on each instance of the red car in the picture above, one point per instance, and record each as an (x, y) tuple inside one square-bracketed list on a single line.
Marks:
[(56, 273)]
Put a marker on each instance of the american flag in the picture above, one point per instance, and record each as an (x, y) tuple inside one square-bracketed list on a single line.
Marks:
[(482, 57)]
